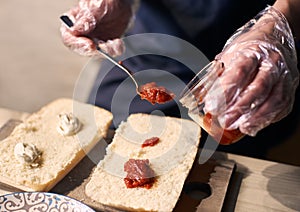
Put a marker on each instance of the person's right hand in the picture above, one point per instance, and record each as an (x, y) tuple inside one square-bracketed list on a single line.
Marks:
[(260, 77), (100, 21)]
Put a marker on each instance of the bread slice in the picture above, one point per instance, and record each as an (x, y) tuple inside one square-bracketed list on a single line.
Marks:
[(171, 159), (59, 153)]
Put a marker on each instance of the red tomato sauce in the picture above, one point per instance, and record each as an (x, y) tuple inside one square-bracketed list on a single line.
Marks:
[(155, 94), (225, 137), (139, 174), (150, 142)]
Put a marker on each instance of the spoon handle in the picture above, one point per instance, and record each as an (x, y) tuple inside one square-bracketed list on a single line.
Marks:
[(111, 59), (70, 24)]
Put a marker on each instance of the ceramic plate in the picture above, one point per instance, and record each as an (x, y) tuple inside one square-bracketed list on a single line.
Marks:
[(40, 201)]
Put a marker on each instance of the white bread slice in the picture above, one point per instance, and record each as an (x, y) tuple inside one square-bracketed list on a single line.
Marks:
[(59, 153), (171, 159)]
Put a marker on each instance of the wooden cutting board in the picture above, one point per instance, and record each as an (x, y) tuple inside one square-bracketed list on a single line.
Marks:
[(204, 190)]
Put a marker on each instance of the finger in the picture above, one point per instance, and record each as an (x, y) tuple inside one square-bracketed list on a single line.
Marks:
[(278, 103), (113, 47), (82, 18), (253, 95), (85, 23), (289, 89), (239, 71), (81, 45), (72, 13)]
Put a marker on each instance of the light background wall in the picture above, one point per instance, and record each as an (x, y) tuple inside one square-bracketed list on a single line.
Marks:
[(35, 66)]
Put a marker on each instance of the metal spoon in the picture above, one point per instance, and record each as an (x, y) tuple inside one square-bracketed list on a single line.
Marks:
[(69, 23), (111, 59)]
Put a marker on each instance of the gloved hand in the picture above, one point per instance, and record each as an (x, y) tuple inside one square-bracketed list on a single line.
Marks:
[(260, 76), (100, 21)]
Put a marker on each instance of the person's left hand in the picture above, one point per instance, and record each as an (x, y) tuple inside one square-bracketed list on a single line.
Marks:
[(257, 86)]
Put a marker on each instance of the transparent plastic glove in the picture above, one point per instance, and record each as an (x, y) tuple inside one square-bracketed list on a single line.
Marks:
[(100, 21), (257, 86)]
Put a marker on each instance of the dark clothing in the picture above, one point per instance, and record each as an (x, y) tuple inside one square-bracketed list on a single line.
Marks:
[(206, 24)]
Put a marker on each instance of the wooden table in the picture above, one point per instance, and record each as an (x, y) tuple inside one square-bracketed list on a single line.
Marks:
[(257, 185), (264, 185)]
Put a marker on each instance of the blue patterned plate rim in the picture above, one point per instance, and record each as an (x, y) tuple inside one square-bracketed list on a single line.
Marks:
[(40, 201)]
